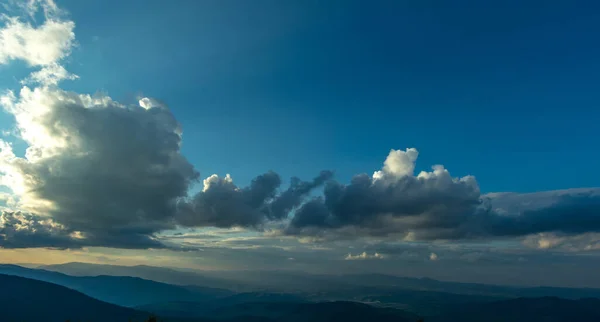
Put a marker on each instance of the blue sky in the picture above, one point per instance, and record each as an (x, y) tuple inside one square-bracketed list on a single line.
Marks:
[(506, 91), (503, 90)]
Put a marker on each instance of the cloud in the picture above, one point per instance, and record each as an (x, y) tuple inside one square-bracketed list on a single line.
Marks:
[(97, 172), (392, 201), (223, 204), (49, 75), (41, 45), (363, 256), (22, 230), (569, 214), (112, 171), (436, 206), (295, 194), (433, 257), (562, 242)]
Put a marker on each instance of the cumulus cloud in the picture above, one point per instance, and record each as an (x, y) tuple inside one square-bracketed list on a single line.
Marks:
[(22, 230), (392, 201), (223, 204), (95, 165), (363, 256), (434, 205), (106, 173)]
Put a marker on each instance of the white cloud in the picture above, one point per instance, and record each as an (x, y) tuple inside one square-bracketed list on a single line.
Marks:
[(398, 164), (363, 256), (31, 7), (37, 46), (44, 45), (49, 75)]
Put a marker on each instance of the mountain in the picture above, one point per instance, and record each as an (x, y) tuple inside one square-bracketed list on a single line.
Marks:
[(23, 299), (544, 309), (158, 274), (427, 284), (119, 290), (299, 282), (287, 311), (229, 304)]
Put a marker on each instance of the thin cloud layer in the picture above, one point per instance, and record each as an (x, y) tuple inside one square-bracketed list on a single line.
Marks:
[(363, 256)]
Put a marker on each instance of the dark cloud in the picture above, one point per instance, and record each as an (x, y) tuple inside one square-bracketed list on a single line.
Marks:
[(441, 219), (391, 204), (22, 230), (433, 206), (113, 175), (568, 215), (223, 204), (110, 171), (295, 195)]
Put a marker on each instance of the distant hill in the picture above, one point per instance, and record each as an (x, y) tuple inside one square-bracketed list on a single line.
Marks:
[(158, 274), (120, 290), (428, 284), (289, 281), (545, 309), (439, 301), (29, 300), (23, 299)]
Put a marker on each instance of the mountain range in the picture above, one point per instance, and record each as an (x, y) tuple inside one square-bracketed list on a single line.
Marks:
[(34, 294)]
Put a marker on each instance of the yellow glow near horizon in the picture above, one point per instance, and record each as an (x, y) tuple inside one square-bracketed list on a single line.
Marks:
[(41, 256)]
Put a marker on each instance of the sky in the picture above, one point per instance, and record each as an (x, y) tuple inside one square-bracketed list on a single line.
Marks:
[(453, 140)]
